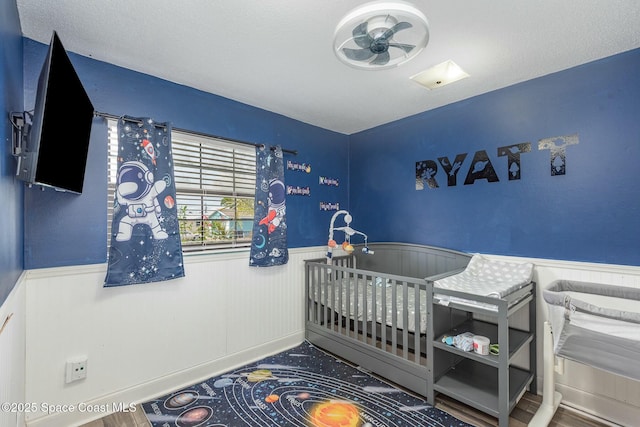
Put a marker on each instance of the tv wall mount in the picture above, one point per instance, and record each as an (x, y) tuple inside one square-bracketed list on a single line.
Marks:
[(21, 123)]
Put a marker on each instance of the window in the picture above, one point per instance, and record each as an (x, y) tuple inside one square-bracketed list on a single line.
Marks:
[(215, 189)]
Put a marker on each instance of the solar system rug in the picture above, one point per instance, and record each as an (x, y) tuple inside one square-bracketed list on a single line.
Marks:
[(303, 386)]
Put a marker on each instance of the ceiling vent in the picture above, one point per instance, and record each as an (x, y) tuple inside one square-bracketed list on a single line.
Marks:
[(381, 35)]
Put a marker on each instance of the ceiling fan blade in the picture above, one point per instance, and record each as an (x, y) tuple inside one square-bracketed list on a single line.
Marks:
[(406, 47), (357, 54), (361, 36), (380, 59), (398, 27), (401, 26)]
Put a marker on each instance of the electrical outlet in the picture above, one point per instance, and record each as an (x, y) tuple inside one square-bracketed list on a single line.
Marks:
[(76, 369)]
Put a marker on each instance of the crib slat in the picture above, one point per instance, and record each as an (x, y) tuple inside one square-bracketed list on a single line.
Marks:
[(384, 303), (338, 307), (416, 321), (374, 306), (356, 306), (325, 283), (394, 318), (365, 306), (405, 321)]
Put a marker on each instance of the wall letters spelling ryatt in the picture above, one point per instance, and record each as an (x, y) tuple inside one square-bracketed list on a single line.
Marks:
[(482, 168)]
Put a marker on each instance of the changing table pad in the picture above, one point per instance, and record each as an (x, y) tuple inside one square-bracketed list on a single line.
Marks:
[(486, 277)]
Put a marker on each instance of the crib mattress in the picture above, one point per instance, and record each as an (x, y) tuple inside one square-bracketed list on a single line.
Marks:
[(485, 277), (354, 293)]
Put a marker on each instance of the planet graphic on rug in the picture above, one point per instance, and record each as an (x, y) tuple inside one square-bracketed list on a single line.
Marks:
[(181, 399), (223, 382), (272, 398), (259, 375), (335, 414), (194, 416)]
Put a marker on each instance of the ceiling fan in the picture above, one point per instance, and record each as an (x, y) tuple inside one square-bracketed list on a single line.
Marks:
[(381, 35)]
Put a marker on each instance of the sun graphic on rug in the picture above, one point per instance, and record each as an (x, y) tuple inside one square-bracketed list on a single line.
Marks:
[(335, 414)]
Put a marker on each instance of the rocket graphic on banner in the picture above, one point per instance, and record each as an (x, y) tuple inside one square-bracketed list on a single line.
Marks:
[(269, 243)]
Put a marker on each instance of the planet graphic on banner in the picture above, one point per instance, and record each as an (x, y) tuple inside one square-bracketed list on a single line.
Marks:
[(169, 202), (259, 241)]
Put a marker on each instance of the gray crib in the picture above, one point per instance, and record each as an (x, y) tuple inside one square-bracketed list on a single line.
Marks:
[(385, 313), (372, 309)]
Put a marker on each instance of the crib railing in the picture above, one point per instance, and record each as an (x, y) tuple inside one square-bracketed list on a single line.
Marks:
[(367, 316)]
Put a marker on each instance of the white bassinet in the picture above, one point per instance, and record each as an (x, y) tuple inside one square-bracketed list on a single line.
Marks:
[(596, 324)]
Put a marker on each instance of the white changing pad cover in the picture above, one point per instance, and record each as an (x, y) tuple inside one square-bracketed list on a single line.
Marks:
[(487, 277)]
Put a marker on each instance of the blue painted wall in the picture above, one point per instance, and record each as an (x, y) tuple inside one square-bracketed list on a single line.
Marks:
[(591, 213), (11, 99), (65, 229), (588, 214)]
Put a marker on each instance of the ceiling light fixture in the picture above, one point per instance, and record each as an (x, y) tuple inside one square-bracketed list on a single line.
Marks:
[(381, 35), (440, 75)]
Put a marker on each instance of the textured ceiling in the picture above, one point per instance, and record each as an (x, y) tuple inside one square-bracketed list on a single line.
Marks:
[(278, 54)]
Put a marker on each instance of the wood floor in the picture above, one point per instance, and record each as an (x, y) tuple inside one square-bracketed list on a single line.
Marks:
[(520, 416)]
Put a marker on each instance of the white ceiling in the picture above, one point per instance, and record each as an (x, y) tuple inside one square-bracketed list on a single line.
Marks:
[(278, 54)]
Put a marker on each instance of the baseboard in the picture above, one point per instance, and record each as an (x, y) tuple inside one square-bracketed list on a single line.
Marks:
[(605, 410), (124, 399)]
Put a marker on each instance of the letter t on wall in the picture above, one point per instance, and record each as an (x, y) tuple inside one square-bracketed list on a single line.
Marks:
[(513, 155), (557, 147)]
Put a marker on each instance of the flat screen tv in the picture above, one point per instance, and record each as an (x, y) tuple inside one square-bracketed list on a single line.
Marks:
[(57, 142)]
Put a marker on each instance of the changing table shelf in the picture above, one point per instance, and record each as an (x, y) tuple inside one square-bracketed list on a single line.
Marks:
[(490, 383), (479, 388), (518, 339)]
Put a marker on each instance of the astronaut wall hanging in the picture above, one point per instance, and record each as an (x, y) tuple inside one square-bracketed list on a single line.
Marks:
[(145, 237), (269, 243)]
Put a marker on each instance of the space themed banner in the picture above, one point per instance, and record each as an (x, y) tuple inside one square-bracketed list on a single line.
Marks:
[(269, 243), (300, 387), (145, 236)]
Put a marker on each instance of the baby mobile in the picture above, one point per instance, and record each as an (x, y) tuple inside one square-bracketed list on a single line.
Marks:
[(348, 232)]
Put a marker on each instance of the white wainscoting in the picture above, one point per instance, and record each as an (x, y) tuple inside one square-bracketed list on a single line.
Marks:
[(12, 364), (147, 340), (143, 341)]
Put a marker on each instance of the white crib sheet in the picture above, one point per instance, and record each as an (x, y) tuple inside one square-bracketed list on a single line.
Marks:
[(358, 288)]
